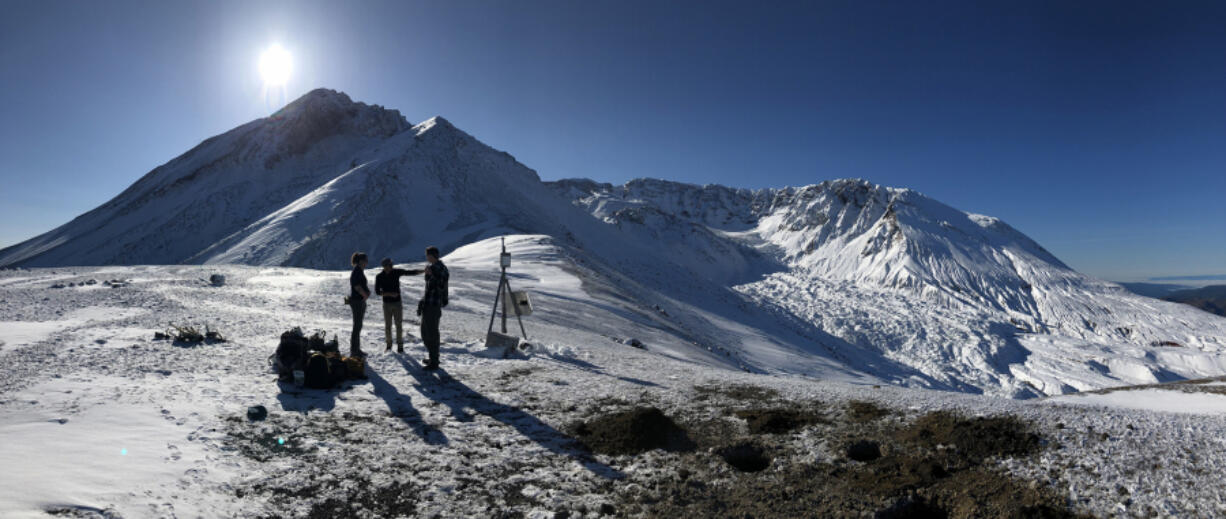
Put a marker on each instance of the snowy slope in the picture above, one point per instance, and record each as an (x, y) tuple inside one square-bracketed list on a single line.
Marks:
[(841, 279), (962, 298), (99, 420), (221, 185)]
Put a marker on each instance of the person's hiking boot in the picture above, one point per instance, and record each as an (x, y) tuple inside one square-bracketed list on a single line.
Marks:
[(428, 366), (400, 348), (388, 348), (357, 353)]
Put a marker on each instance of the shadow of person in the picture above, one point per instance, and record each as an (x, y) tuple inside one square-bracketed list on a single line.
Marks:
[(459, 397), (594, 369), (401, 406)]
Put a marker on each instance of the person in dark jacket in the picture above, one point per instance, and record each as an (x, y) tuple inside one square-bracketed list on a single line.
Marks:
[(431, 306), (387, 284), (358, 292)]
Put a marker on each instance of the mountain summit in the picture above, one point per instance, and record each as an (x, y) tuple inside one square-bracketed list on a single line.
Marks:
[(841, 278), (320, 178)]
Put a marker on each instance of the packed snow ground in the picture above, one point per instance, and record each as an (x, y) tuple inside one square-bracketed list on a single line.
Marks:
[(98, 418)]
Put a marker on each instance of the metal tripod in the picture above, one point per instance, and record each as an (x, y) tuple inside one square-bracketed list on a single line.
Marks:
[(504, 287)]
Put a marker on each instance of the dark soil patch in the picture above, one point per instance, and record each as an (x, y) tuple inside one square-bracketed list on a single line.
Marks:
[(980, 492), (633, 431), (974, 439), (82, 512), (911, 507), (514, 373), (397, 499), (263, 445), (736, 392), (863, 450), (745, 457), (860, 411), (905, 475), (777, 421)]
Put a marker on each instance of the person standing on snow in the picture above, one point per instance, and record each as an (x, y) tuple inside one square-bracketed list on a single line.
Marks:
[(358, 292), (387, 284), (430, 308)]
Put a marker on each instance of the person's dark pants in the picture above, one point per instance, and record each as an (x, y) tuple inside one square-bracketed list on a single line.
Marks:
[(430, 317), (359, 312)]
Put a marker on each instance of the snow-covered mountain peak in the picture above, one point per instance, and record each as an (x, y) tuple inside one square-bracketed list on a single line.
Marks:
[(837, 230), (841, 275), (322, 113), (434, 122)]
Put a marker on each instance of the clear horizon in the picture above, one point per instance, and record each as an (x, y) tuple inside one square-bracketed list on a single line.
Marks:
[(1097, 129)]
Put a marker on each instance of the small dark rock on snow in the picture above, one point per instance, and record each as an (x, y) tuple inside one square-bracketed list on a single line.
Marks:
[(257, 412)]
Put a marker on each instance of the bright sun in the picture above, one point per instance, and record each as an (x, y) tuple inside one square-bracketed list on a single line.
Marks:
[(275, 66)]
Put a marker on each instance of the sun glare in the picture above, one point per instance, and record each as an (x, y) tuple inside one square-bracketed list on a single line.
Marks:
[(275, 66)]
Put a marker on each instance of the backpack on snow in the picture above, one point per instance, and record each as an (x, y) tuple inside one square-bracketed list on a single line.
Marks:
[(318, 374), (337, 369), (319, 342), (356, 366), (291, 354)]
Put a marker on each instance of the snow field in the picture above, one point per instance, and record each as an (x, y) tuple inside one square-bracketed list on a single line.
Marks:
[(485, 436)]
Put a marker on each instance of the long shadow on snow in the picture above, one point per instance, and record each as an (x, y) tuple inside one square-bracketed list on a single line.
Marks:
[(594, 369), (401, 406), (457, 396)]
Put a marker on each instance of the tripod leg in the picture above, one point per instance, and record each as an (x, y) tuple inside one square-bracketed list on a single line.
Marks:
[(497, 297), (517, 316)]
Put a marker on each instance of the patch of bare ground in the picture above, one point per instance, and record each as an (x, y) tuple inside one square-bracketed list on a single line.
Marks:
[(778, 420), (937, 465), (861, 411), (735, 392), (633, 431)]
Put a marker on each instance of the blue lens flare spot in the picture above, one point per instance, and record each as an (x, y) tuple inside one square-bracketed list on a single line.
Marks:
[(123, 452), (280, 441)]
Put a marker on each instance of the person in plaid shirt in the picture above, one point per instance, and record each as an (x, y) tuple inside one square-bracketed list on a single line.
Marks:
[(430, 308)]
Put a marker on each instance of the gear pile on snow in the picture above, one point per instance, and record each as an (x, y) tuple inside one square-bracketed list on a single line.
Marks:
[(317, 357)]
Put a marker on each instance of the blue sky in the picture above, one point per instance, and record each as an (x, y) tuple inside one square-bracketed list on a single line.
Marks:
[(1097, 128)]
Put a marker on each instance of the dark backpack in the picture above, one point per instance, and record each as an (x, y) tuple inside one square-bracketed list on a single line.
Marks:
[(319, 342), (442, 297), (291, 355), (318, 374), (337, 369)]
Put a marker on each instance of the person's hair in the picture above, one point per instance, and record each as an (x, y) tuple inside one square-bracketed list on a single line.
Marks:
[(432, 251), (387, 262), (357, 257)]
